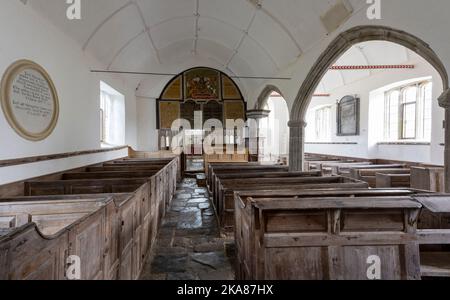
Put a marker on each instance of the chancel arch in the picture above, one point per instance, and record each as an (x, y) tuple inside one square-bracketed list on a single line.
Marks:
[(198, 95), (334, 51)]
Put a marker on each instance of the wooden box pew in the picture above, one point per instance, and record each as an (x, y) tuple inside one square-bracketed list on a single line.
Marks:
[(135, 163), (133, 220), (390, 180), (341, 168), (294, 238), (434, 225), (107, 175), (39, 236), (316, 165), (368, 173), (248, 168), (174, 164), (150, 199), (139, 214), (252, 175), (428, 178), (244, 198), (224, 203), (123, 168), (216, 173)]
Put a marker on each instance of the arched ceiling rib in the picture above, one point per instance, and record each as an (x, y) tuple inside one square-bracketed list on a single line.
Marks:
[(260, 37), (367, 53)]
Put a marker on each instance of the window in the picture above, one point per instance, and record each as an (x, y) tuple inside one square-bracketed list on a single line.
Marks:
[(408, 112), (323, 123), (112, 116)]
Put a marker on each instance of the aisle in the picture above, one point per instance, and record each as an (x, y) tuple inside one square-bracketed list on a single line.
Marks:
[(189, 246)]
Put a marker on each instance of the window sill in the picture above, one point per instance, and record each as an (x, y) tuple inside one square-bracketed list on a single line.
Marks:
[(402, 143), (105, 145), (331, 143)]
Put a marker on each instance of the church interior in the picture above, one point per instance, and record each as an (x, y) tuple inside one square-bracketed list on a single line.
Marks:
[(224, 140)]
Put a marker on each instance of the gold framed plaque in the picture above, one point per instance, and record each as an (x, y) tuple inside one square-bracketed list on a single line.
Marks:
[(29, 100)]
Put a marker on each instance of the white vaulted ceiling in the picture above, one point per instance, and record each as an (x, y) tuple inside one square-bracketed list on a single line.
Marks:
[(367, 53), (240, 37)]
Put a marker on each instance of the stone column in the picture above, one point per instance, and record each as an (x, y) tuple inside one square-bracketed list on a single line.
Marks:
[(444, 102), (296, 145)]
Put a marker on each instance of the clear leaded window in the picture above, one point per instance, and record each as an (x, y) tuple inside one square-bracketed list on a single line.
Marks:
[(408, 112), (323, 123)]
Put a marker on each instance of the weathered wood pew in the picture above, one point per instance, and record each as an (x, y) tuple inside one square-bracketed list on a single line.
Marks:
[(137, 215), (428, 178), (113, 168), (368, 173), (108, 175), (224, 203), (316, 165), (39, 236), (392, 180), (252, 175), (296, 238), (341, 168), (233, 168), (434, 222), (140, 213), (246, 232)]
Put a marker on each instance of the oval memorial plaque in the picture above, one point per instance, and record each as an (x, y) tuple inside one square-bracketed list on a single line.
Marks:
[(29, 100)]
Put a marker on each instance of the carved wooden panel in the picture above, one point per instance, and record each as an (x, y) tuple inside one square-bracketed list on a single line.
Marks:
[(174, 91), (88, 243), (187, 111), (230, 90), (168, 112), (234, 110), (212, 110)]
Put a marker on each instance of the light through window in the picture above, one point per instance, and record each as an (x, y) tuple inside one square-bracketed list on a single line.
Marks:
[(323, 129), (408, 112)]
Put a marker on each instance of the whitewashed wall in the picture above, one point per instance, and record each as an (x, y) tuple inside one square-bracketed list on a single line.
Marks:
[(371, 122), (26, 35)]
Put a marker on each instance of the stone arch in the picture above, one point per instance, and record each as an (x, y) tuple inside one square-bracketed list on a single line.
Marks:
[(265, 94), (339, 46)]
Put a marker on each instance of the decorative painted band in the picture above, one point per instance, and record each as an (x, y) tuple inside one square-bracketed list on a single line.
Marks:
[(405, 143), (372, 67), (34, 159)]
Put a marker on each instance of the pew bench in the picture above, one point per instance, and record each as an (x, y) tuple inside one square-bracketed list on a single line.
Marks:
[(224, 202), (42, 234), (368, 173), (139, 201), (291, 238), (428, 178), (392, 180), (243, 175)]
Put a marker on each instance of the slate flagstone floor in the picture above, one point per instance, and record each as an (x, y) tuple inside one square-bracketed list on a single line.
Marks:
[(189, 246)]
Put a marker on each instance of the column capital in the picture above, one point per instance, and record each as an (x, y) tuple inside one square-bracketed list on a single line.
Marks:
[(297, 124), (444, 99)]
